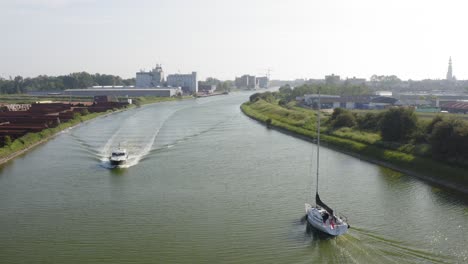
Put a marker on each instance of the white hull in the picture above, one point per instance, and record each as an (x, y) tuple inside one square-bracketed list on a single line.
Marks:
[(118, 156), (333, 226), (118, 162)]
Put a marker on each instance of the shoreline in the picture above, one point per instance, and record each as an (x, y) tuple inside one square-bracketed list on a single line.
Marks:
[(18, 153), (395, 167), (44, 140)]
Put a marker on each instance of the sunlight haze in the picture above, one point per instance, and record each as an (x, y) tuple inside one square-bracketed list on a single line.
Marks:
[(224, 39)]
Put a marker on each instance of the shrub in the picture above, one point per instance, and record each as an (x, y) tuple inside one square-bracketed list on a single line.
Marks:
[(397, 124), (254, 97), (336, 113), (345, 119), (84, 112), (449, 140), (8, 141), (342, 118), (369, 121)]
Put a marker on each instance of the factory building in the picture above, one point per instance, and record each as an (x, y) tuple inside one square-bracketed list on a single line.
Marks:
[(153, 78), (132, 92), (188, 82)]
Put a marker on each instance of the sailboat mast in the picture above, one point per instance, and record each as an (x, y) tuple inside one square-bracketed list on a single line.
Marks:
[(318, 141)]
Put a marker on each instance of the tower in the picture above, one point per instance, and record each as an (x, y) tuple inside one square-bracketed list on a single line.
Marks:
[(449, 71)]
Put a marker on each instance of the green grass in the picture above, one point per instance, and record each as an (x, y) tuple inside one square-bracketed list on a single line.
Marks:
[(365, 145), (154, 99), (32, 138), (359, 136), (421, 116)]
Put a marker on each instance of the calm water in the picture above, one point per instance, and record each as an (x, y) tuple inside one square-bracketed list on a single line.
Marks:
[(207, 184)]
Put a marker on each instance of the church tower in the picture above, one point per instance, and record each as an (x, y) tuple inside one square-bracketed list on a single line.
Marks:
[(449, 71)]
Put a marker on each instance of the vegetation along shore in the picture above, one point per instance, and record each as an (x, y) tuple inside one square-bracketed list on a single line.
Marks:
[(435, 149), (13, 147)]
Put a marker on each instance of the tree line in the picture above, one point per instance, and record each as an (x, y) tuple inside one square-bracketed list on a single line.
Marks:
[(18, 84), (287, 93), (221, 86), (442, 138)]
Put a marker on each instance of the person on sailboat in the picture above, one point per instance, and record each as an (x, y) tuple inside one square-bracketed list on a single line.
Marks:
[(325, 217)]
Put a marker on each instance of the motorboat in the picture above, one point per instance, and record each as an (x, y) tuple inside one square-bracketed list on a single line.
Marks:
[(119, 156), (320, 216)]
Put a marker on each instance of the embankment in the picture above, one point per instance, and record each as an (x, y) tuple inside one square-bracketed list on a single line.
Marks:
[(424, 168), (29, 141)]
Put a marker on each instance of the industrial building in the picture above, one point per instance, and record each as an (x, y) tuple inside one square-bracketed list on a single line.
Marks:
[(348, 102), (132, 92), (246, 82), (153, 78), (188, 82), (262, 82)]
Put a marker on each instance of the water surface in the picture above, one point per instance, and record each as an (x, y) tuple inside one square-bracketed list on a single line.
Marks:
[(207, 184)]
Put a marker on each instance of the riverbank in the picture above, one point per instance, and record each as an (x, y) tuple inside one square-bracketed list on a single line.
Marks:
[(211, 94), (424, 168), (29, 141)]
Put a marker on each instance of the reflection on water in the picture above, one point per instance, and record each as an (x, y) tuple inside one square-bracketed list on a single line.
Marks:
[(209, 185)]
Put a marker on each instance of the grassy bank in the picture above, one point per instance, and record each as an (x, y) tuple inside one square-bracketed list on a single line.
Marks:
[(302, 123), (154, 99), (24, 143), (20, 145)]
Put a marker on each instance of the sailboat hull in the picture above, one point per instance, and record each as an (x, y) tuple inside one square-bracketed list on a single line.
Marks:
[(333, 226)]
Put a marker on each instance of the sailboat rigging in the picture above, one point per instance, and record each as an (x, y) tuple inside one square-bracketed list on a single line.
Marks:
[(321, 216)]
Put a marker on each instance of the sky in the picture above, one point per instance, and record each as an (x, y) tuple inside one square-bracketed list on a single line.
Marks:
[(224, 39)]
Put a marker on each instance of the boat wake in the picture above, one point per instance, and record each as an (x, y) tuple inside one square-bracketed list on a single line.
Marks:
[(146, 131), (364, 246)]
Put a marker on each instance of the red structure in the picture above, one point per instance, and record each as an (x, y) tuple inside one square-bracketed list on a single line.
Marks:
[(48, 115)]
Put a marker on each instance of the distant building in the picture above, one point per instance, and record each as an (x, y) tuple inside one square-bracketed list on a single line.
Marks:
[(246, 82), (105, 99), (384, 93), (449, 71), (262, 82), (132, 92), (455, 107), (242, 82), (188, 82), (253, 82), (355, 81), (153, 78), (206, 88), (348, 102), (332, 79)]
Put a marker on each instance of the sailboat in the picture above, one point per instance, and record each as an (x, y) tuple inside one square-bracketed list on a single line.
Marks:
[(320, 216)]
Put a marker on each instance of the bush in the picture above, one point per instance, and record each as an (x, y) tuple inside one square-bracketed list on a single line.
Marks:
[(369, 121), (84, 112), (342, 118), (254, 97), (431, 125), (345, 119), (336, 113), (449, 140), (8, 141), (398, 124)]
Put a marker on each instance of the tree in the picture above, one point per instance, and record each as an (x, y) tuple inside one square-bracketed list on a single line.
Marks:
[(7, 141), (449, 139), (18, 84), (342, 118), (369, 121), (397, 124)]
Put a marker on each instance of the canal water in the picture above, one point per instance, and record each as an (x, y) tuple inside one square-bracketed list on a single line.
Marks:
[(206, 184)]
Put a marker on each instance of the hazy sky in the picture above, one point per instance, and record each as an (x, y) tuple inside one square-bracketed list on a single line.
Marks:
[(220, 38)]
